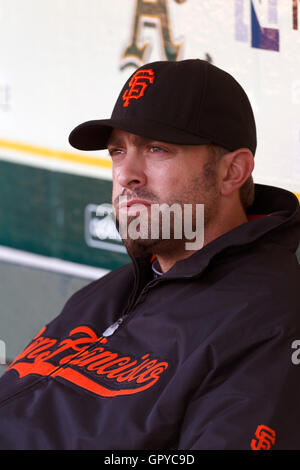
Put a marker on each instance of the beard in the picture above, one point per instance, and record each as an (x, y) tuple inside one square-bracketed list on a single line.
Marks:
[(201, 189)]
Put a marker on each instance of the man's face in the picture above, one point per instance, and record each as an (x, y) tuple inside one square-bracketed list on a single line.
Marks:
[(151, 172)]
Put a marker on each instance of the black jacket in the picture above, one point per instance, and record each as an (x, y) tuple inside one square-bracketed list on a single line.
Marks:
[(206, 357)]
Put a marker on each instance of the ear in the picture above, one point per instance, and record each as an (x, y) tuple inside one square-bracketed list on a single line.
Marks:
[(235, 169)]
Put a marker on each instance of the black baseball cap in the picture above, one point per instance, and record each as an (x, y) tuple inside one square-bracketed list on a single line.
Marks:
[(189, 102)]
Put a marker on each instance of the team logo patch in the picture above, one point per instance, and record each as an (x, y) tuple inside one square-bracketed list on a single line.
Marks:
[(137, 86), (265, 438), (85, 360), (152, 14)]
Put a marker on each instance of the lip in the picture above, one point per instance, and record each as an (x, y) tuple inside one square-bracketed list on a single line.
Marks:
[(138, 201), (135, 201)]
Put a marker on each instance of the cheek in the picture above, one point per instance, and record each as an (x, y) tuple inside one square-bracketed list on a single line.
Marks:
[(116, 189), (165, 179)]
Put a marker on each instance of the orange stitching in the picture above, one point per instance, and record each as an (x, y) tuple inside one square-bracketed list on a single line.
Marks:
[(138, 85), (265, 438)]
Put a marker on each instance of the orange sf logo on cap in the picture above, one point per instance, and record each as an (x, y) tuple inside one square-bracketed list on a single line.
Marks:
[(137, 86)]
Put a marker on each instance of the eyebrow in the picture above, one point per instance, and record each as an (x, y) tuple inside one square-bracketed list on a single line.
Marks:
[(135, 140)]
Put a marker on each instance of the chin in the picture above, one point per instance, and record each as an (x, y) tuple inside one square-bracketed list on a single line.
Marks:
[(140, 247)]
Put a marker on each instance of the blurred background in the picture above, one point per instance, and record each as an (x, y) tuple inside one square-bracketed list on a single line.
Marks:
[(65, 61)]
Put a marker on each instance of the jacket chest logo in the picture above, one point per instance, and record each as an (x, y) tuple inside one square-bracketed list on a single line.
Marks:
[(84, 359)]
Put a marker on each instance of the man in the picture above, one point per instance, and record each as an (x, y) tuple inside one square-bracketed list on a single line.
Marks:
[(184, 348)]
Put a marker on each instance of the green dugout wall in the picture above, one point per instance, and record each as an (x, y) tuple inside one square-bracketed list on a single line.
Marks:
[(47, 250)]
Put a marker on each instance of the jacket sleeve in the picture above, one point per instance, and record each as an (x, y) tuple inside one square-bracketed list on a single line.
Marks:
[(251, 397)]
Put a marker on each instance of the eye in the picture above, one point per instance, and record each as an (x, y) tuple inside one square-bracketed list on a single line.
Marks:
[(156, 149), (114, 151)]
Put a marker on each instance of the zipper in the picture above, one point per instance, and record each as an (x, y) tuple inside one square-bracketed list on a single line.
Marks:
[(124, 318), (114, 326), (126, 315)]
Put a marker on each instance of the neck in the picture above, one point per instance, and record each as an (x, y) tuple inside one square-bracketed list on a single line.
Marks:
[(212, 231)]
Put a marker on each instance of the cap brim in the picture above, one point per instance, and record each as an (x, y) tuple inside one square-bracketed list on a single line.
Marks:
[(94, 135)]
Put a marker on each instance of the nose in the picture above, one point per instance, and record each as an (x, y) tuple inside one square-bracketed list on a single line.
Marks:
[(130, 172)]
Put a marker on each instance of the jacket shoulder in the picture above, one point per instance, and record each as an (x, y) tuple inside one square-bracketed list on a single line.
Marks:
[(122, 274), (260, 291), (92, 298)]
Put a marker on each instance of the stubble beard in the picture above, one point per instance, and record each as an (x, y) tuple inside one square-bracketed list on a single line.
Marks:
[(201, 190)]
